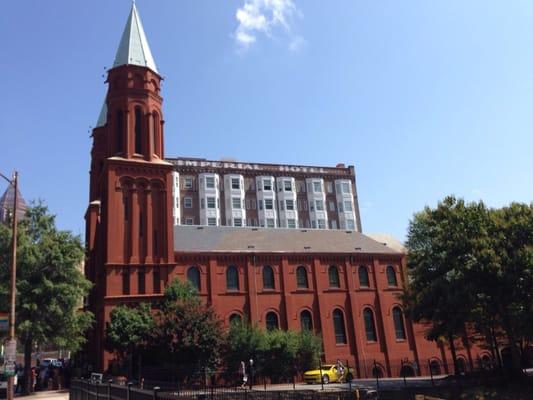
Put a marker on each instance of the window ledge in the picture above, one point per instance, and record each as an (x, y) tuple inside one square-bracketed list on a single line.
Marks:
[(302, 290), (234, 292), (335, 290), (269, 291), (365, 289)]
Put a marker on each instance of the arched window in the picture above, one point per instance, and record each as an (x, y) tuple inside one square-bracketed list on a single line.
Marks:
[(235, 319), (391, 276), (338, 326), (306, 320), (363, 276), (138, 130), (434, 367), (370, 327), (156, 135), (268, 277), (461, 365), (120, 131), (193, 275), (333, 274), (301, 277), (232, 278), (399, 327), (407, 370), (272, 321)]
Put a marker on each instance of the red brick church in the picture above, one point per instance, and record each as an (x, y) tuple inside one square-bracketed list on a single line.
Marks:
[(278, 245)]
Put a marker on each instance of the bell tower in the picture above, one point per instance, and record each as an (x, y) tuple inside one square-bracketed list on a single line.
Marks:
[(129, 219)]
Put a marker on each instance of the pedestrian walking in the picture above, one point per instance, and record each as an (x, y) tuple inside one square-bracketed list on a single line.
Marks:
[(340, 371), (243, 374)]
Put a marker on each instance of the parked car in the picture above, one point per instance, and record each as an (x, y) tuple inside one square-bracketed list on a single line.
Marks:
[(328, 374)]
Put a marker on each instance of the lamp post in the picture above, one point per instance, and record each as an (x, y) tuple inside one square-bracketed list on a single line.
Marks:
[(13, 182)]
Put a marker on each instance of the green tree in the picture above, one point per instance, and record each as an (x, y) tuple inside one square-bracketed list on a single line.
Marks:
[(445, 245), (50, 285), (187, 331), (128, 332)]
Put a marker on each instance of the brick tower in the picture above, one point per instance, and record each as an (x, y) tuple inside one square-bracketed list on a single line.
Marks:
[(129, 219)]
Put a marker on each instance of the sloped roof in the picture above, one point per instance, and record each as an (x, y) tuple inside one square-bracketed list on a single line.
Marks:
[(133, 48), (102, 118), (192, 238)]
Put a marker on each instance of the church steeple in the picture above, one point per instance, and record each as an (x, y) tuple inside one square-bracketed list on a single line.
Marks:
[(133, 48)]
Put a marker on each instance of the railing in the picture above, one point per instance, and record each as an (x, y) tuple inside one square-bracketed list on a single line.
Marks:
[(87, 390)]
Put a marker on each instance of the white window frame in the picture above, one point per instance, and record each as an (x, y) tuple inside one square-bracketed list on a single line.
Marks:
[(236, 199), (238, 180), (291, 202), (208, 202), (267, 183), (271, 202), (187, 202), (289, 183), (211, 221), (208, 181), (189, 221), (188, 183)]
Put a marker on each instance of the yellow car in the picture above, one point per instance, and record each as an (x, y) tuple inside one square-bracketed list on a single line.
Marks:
[(328, 374)]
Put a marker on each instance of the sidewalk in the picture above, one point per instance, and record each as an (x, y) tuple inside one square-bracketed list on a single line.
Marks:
[(46, 395)]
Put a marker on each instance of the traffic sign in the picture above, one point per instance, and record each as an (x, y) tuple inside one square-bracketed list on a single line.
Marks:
[(10, 355)]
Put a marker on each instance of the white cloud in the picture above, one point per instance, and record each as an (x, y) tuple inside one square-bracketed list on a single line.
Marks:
[(266, 17)]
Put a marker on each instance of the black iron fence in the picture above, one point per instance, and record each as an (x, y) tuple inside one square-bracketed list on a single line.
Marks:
[(87, 390)]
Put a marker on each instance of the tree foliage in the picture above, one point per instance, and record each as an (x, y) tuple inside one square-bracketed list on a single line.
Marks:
[(471, 266), (277, 354), (50, 285)]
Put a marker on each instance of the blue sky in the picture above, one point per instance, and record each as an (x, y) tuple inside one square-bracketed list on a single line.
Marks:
[(425, 98)]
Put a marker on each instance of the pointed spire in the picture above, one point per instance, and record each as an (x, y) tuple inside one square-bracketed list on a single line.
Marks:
[(6, 204), (102, 118), (133, 48)]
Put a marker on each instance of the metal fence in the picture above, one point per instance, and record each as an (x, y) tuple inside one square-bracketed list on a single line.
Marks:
[(86, 390)]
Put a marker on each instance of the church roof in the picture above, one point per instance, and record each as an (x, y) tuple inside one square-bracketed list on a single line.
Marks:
[(224, 239), (102, 118), (6, 204), (133, 48)]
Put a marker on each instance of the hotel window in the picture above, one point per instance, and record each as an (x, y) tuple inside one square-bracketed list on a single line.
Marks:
[(306, 321), (301, 278), (187, 202), (345, 187), (235, 183), (253, 204), (370, 328), (211, 202), (391, 276), (321, 224), (247, 204), (331, 205), (270, 223), (187, 183), (232, 278), (363, 276), (268, 277), (210, 182), (350, 224), (125, 281), (248, 222), (287, 186), (269, 204), (189, 221), (333, 223), (333, 274), (313, 224), (338, 327), (267, 184), (348, 206), (319, 205), (193, 276), (237, 221), (141, 282), (212, 221), (289, 204), (330, 187), (236, 202), (399, 328), (317, 186), (341, 208), (272, 321), (291, 223)]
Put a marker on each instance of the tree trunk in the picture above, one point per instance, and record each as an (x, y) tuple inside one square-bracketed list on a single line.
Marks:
[(28, 387), (516, 370), (497, 348), (454, 354)]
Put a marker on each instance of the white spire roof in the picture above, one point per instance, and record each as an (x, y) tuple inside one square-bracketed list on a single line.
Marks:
[(133, 48)]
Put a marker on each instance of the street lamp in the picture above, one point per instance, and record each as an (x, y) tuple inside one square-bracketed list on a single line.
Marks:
[(14, 182)]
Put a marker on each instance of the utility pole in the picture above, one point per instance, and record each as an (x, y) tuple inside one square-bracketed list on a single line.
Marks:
[(11, 339)]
